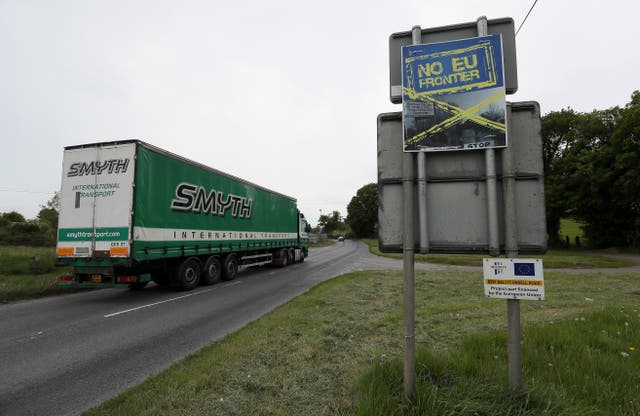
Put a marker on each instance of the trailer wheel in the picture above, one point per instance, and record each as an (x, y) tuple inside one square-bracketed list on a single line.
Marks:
[(187, 274), (211, 271), (230, 268)]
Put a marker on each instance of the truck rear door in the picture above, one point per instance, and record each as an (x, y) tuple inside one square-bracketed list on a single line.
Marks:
[(96, 200)]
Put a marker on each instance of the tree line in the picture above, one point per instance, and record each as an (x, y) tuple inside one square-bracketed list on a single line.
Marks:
[(15, 229), (362, 216), (592, 174)]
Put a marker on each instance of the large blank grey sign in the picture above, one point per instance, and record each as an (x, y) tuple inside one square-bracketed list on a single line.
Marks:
[(457, 193)]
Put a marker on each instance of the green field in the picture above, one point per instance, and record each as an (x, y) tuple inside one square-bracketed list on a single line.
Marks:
[(325, 352), (571, 228)]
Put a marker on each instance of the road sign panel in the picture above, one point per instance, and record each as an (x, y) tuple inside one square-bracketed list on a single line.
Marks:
[(463, 80), (502, 26)]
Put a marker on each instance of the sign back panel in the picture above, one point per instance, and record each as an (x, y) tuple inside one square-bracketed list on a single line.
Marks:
[(456, 190)]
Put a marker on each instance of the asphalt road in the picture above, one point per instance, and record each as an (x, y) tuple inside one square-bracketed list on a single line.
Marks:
[(65, 354)]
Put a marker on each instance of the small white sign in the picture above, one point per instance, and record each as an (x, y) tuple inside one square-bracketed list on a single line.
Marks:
[(419, 108), (513, 278)]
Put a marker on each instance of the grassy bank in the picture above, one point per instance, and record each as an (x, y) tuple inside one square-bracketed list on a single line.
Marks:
[(553, 259), (28, 272), (307, 356), (585, 366)]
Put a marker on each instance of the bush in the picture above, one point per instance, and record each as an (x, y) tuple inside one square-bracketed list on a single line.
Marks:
[(28, 233)]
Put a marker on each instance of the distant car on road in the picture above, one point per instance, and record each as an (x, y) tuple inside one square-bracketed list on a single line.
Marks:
[(341, 238)]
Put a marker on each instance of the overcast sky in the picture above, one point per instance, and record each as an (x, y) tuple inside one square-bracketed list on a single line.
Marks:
[(283, 93)]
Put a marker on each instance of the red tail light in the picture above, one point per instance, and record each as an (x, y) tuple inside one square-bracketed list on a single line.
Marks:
[(66, 278), (126, 279)]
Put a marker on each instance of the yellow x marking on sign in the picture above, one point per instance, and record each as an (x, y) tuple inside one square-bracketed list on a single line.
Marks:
[(458, 114)]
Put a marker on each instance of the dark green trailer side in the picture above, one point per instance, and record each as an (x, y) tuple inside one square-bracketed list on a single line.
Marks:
[(131, 212)]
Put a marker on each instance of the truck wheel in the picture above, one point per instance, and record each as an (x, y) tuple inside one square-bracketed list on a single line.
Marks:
[(211, 271), (187, 274), (284, 257), (230, 268)]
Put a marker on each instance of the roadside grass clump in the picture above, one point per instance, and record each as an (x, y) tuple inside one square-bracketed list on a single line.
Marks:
[(28, 272), (585, 366), (553, 259), (306, 356)]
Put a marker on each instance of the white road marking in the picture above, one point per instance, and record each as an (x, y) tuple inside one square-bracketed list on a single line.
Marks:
[(158, 303)]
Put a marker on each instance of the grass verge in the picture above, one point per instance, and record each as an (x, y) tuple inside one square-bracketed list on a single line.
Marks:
[(554, 259), (321, 244), (587, 366), (28, 272), (306, 356)]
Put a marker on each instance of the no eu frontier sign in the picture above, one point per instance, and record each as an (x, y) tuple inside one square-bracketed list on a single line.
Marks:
[(453, 95)]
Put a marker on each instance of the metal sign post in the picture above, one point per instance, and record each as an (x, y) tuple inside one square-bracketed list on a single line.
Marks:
[(490, 162), (514, 348), (452, 83), (409, 343), (458, 210)]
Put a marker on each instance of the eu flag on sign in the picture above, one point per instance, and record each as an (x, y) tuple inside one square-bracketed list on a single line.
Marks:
[(524, 269)]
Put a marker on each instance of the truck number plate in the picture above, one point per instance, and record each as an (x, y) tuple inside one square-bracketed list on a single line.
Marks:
[(96, 278)]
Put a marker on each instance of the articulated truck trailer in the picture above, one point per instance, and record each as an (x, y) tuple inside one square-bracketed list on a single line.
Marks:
[(131, 213)]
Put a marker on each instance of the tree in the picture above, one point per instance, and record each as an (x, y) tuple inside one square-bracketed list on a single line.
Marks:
[(49, 216), (13, 216), (49, 212), (16, 230), (606, 184), (625, 142), (322, 221), (592, 172), (362, 211), (557, 129), (331, 222), (54, 202)]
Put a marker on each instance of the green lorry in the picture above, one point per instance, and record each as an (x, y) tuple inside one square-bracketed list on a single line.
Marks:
[(131, 213)]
